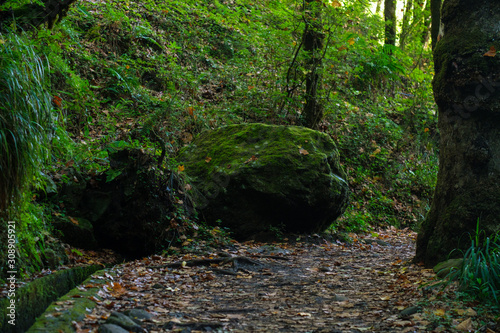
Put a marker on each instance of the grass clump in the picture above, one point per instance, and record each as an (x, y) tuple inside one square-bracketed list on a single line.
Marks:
[(25, 115), (26, 121), (479, 274)]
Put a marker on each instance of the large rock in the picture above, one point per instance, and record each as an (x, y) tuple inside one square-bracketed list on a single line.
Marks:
[(262, 179), (130, 206)]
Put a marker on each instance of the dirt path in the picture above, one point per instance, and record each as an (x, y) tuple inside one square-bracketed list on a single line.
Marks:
[(307, 287)]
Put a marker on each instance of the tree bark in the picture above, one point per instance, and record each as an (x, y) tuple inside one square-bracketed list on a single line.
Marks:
[(467, 91), (33, 15), (390, 21), (435, 19), (313, 45)]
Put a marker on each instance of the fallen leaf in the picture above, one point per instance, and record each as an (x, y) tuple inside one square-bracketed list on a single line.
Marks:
[(439, 312), (302, 151), (377, 151), (470, 312), (466, 325), (491, 53)]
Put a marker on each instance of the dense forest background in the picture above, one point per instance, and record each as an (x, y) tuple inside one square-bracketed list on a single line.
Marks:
[(154, 74)]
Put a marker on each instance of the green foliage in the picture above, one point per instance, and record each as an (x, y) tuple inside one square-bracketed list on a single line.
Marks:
[(26, 117), (31, 232), (479, 275), (153, 74)]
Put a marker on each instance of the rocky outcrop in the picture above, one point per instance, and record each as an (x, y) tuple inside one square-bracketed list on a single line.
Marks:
[(260, 180)]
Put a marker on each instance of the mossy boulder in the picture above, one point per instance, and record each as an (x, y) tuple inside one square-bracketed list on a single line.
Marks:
[(262, 179)]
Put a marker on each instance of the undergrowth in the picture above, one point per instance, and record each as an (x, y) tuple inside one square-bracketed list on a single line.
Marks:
[(154, 74)]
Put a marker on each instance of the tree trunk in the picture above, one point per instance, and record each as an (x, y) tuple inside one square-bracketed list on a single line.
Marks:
[(467, 91), (436, 19), (379, 6), (405, 28), (390, 21), (313, 46), (426, 29)]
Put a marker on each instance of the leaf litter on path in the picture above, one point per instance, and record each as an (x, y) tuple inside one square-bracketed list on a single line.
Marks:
[(305, 287)]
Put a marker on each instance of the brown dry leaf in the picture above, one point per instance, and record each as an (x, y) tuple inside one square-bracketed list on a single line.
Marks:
[(440, 312), (402, 323), (117, 289), (336, 4), (251, 159), (470, 312), (186, 137), (491, 53), (377, 151), (208, 159), (466, 325), (302, 151), (73, 220)]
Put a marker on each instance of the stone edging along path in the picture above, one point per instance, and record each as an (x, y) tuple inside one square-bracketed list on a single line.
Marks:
[(34, 297)]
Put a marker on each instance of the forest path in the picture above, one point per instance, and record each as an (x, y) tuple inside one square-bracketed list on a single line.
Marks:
[(306, 287)]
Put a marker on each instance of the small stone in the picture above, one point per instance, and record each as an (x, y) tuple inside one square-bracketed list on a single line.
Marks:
[(340, 298), (111, 328), (409, 311), (138, 315), (125, 322)]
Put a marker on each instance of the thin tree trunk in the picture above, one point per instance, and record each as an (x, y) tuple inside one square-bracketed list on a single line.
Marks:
[(405, 29), (379, 7), (435, 18), (426, 29), (313, 45), (390, 21), (467, 91)]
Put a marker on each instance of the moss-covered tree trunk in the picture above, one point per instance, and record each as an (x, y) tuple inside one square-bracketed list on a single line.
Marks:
[(390, 21), (467, 92), (406, 27)]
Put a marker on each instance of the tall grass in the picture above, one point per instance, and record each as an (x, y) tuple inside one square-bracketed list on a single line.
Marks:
[(479, 274), (25, 116)]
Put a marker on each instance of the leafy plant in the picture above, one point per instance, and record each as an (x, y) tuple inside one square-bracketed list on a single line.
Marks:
[(479, 274)]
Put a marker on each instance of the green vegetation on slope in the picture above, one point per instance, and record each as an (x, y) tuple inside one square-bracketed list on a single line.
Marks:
[(155, 73)]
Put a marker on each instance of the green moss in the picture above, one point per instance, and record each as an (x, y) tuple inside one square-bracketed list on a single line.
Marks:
[(71, 307), (271, 147), (32, 299), (256, 176)]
